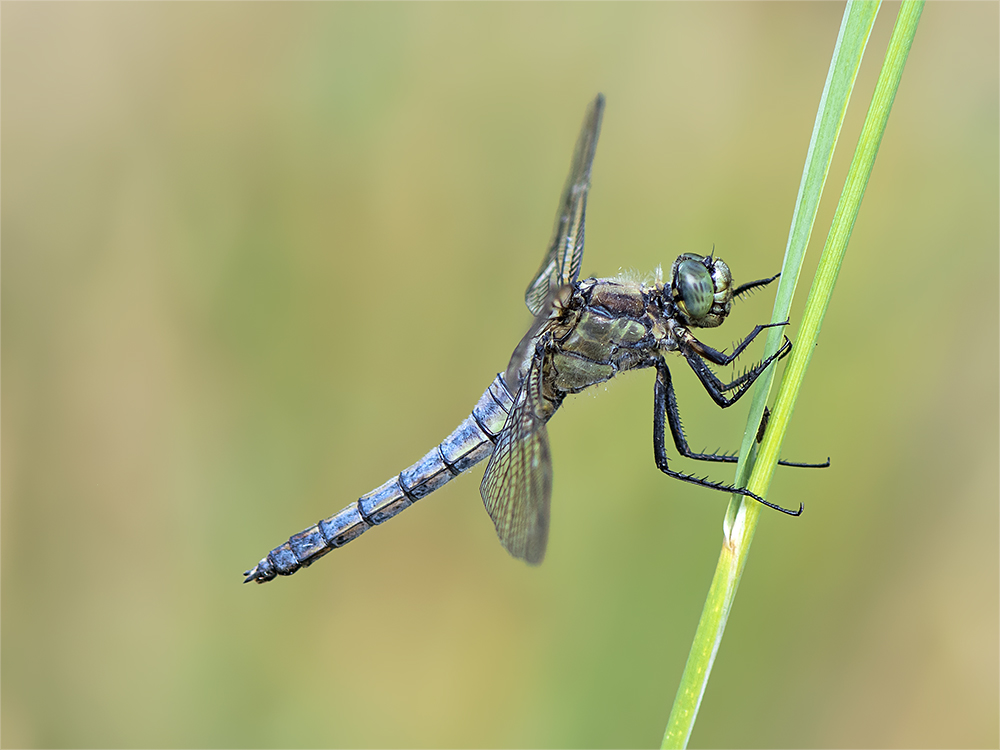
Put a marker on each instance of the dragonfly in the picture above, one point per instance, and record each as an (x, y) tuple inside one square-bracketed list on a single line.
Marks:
[(583, 333)]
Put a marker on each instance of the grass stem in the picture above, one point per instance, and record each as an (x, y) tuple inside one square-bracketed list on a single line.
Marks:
[(741, 516)]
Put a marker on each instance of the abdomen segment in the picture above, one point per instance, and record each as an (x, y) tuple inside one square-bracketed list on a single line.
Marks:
[(466, 446)]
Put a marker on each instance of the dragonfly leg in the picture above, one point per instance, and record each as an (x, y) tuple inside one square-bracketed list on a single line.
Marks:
[(680, 439), (665, 408), (752, 285), (716, 388), (665, 403), (765, 417), (721, 358)]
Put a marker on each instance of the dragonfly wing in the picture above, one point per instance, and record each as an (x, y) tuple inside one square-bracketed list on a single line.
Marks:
[(517, 485), (562, 262), (524, 355), (521, 360)]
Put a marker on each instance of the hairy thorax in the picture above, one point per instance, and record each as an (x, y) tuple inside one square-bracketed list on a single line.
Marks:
[(604, 327)]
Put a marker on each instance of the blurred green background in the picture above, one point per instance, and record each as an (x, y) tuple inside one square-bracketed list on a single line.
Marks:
[(257, 258)]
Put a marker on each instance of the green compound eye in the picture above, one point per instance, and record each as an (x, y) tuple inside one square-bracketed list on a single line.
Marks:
[(694, 283)]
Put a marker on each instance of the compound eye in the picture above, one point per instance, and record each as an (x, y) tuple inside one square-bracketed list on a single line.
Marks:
[(694, 283)]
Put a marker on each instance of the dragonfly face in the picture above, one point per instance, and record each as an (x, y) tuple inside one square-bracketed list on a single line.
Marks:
[(701, 289), (584, 332)]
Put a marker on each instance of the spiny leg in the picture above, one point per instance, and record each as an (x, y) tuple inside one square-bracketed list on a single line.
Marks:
[(765, 417), (752, 285), (715, 387), (721, 358), (665, 405), (680, 439), (665, 401)]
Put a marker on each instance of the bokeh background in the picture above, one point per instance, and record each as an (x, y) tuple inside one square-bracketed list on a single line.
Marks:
[(257, 258)]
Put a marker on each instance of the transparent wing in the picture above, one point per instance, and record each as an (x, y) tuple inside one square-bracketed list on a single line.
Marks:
[(562, 262), (524, 353), (517, 485)]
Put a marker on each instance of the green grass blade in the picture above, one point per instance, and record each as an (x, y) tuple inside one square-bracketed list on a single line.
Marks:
[(836, 242), (741, 525), (859, 17)]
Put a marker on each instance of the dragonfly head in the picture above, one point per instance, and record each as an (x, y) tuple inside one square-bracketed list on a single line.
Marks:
[(701, 289)]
